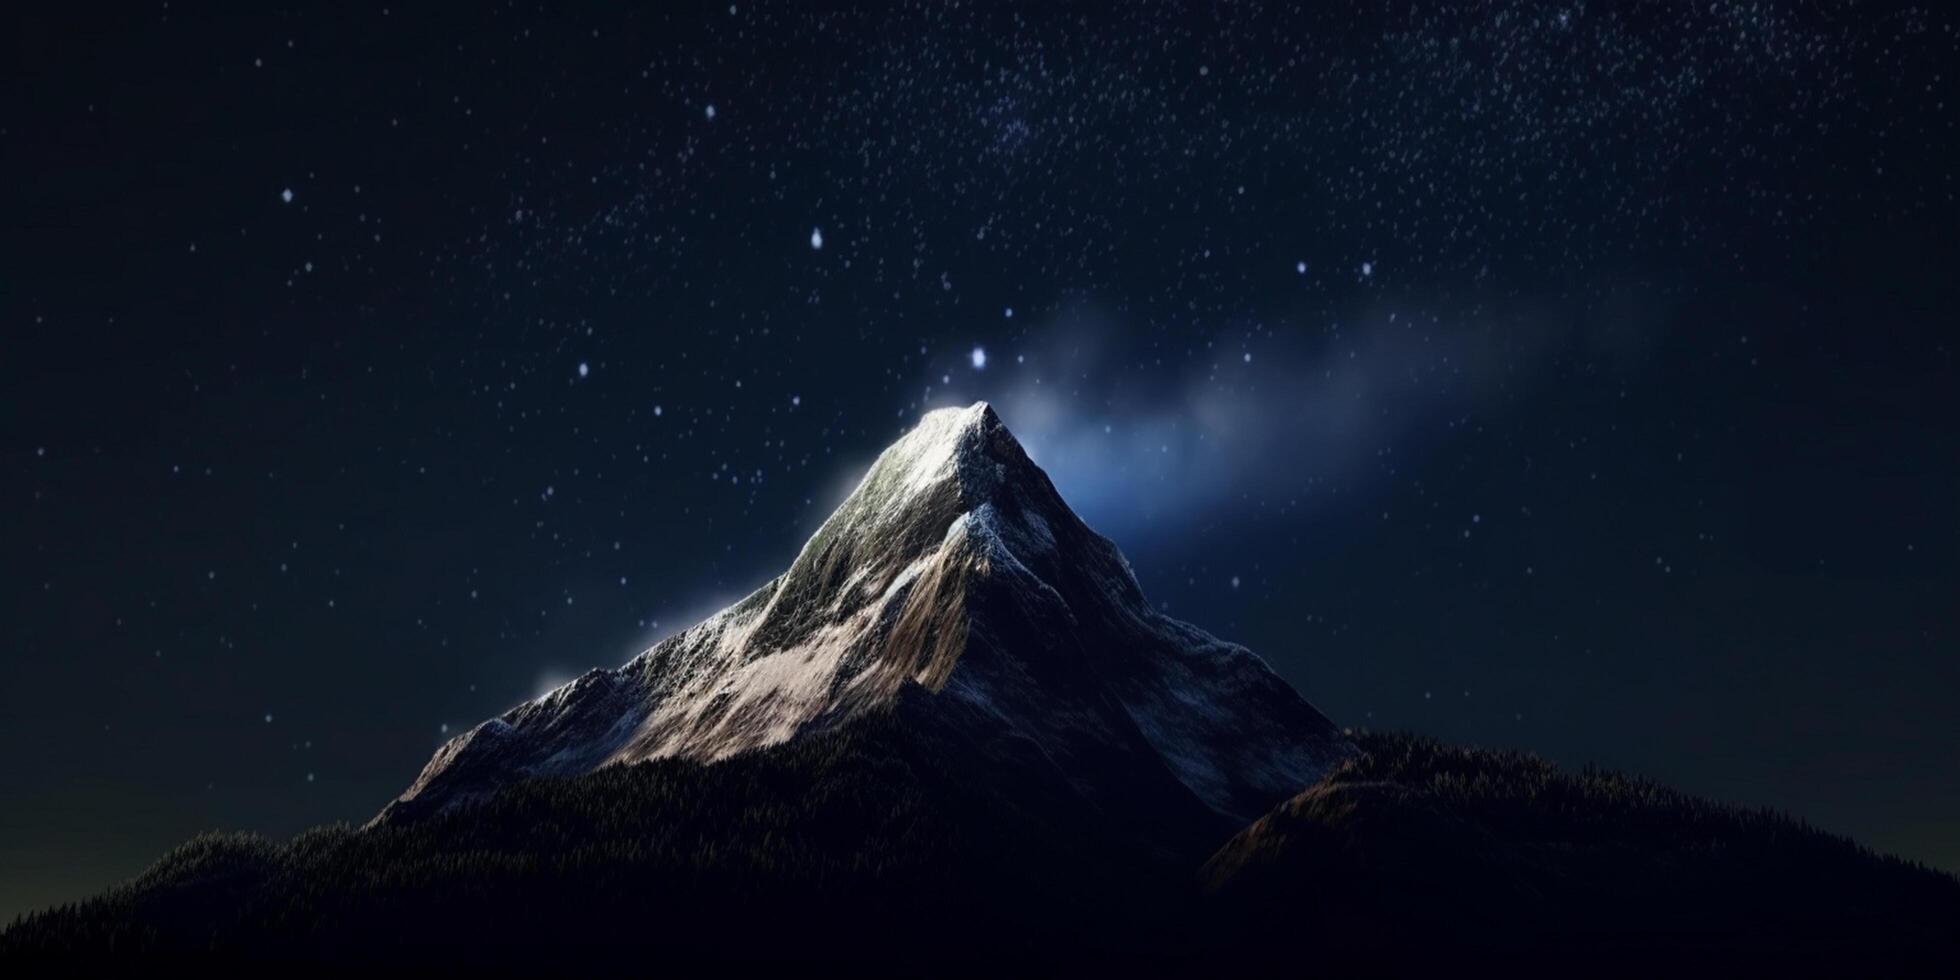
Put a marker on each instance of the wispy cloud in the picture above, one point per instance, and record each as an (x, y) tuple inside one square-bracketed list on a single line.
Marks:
[(1138, 433)]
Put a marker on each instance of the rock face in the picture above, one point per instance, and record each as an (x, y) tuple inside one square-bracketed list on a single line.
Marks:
[(957, 590)]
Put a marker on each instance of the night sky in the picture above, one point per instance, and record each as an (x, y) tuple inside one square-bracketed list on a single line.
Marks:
[(1578, 378)]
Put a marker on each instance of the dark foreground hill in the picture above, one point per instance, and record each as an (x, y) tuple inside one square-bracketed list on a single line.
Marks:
[(874, 847), (1432, 854)]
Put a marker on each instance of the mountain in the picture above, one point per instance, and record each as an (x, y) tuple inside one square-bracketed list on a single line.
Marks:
[(953, 738), (955, 587)]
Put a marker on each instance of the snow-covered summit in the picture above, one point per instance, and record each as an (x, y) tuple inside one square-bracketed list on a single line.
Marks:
[(953, 584)]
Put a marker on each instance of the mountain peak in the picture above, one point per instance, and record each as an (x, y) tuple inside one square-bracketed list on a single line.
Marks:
[(955, 585), (956, 490), (952, 422), (969, 446)]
